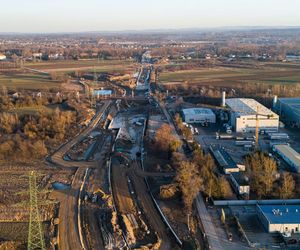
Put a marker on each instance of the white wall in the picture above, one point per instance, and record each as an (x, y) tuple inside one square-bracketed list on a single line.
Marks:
[(211, 118), (244, 189), (282, 228), (248, 123), (240, 189)]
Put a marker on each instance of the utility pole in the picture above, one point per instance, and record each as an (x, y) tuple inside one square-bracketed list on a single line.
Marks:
[(35, 231)]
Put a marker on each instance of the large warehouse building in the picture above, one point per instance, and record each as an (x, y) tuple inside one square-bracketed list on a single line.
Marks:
[(289, 155), (243, 115), (280, 218), (198, 115), (289, 110)]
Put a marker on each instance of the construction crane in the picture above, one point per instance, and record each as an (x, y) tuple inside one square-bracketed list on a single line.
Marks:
[(257, 115), (257, 125)]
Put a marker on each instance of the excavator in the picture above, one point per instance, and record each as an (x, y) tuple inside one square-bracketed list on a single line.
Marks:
[(99, 193)]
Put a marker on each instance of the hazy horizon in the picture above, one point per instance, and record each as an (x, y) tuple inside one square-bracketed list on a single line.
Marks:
[(159, 30), (56, 16)]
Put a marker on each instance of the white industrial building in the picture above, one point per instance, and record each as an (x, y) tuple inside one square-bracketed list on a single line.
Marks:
[(244, 112), (289, 155), (280, 218), (198, 115)]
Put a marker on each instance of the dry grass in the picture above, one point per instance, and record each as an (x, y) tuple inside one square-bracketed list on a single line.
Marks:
[(29, 81), (269, 73)]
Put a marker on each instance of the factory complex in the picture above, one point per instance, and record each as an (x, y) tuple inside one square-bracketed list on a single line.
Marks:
[(245, 112), (288, 110)]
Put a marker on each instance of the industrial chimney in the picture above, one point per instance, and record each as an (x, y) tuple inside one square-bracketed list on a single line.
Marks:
[(223, 104), (275, 98)]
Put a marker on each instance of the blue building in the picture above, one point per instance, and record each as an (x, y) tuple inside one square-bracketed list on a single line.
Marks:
[(280, 218), (289, 110)]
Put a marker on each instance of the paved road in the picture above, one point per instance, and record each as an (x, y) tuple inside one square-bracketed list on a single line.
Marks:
[(209, 228)]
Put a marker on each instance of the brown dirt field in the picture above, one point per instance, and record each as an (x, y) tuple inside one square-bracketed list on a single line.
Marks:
[(72, 86), (120, 189), (225, 76)]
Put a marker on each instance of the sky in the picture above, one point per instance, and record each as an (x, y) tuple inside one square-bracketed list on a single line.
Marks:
[(116, 15)]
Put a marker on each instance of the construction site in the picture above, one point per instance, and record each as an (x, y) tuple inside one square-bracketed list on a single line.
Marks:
[(112, 180)]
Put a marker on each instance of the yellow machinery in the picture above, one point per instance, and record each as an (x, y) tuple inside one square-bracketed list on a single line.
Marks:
[(257, 126)]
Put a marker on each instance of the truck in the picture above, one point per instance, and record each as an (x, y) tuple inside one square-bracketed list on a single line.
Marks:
[(224, 136), (279, 136), (242, 143)]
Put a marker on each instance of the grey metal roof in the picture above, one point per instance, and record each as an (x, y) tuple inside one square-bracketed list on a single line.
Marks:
[(289, 153), (247, 106), (281, 214), (197, 111), (223, 158)]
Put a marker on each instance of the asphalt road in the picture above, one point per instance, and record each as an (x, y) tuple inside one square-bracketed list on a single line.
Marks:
[(208, 225)]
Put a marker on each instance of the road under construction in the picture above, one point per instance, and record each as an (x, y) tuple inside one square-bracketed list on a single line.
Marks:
[(130, 218)]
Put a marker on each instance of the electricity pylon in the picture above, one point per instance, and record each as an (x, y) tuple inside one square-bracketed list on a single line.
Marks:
[(35, 232)]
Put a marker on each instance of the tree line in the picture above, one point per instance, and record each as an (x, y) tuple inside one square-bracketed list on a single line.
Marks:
[(24, 136)]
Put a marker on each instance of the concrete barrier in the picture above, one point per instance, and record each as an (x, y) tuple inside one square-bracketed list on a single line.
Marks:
[(79, 209)]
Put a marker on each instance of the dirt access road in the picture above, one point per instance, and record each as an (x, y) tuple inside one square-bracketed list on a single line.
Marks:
[(148, 206), (68, 215), (69, 231)]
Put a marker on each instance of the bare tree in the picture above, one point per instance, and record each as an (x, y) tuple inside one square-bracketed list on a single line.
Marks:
[(287, 187), (263, 171), (190, 183)]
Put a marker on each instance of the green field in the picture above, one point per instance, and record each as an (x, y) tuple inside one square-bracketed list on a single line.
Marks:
[(29, 81), (271, 74)]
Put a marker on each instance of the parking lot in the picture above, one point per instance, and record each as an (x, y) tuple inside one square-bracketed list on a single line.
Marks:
[(207, 137)]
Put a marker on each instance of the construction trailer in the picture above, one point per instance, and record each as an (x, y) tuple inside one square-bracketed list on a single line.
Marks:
[(247, 113)]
